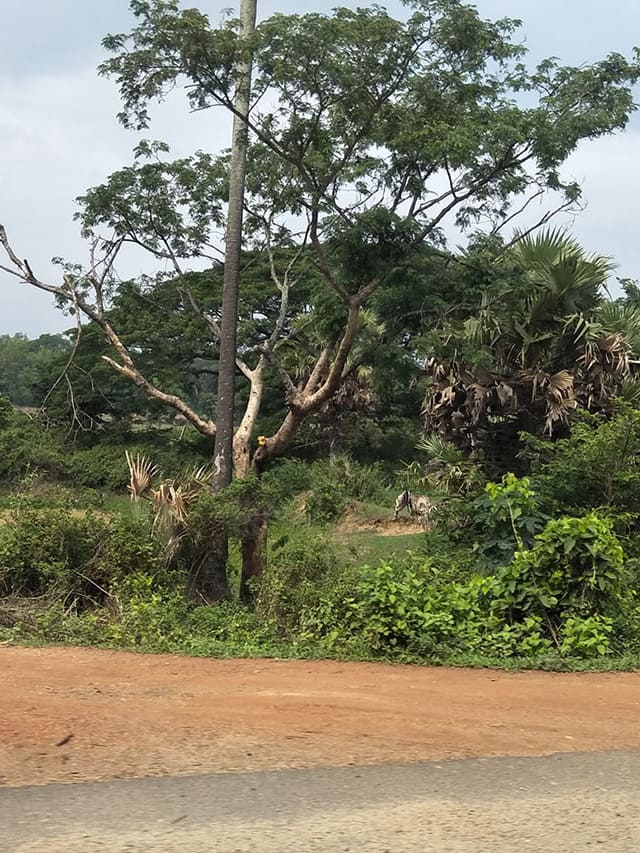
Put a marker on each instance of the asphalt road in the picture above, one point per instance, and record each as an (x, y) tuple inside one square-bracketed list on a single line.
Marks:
[(570, 803)]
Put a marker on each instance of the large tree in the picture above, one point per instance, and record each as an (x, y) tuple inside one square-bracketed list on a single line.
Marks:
[(366, 134)]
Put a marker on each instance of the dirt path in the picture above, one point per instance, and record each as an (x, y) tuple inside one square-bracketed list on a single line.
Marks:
[(71, 714)]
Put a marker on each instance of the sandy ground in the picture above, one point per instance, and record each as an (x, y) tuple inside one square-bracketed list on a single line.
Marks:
[(84, 714)]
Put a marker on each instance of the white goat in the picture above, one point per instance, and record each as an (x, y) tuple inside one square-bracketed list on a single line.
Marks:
[(418, 505)]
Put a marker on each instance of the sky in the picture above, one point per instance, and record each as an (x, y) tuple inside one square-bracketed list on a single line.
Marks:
[(59, 135)]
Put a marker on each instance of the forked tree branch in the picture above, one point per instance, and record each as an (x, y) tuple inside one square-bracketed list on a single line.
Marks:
[(125, 365)]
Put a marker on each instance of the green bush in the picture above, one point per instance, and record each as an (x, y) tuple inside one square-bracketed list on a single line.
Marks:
[(26, 446), (570, 595), (298, 575), (291, 477), (363, 483), (93, 460), (598, 465), (575, 566), (502, 519), (573, 582), (147, 612), (56, 550), (326, 503), (391, 605), (100, 467), (6, 410)]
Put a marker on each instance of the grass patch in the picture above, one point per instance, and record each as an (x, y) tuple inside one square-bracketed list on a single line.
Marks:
[(367, 546)]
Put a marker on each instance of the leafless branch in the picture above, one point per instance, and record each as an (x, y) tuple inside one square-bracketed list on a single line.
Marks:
[(126, 365), (517, 212), (547, 217), (72, 355)]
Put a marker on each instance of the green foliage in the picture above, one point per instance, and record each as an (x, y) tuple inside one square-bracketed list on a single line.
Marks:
[(568, 598), (390, 606), (569, 595), (326, 502), (299, 574), (231, 508), (597, 465), (542, 345), (358, 100), (576, 566), (145, 612), (71, 554), (504, 518), (329, 485), (292, 477), (447, 467), (587, 636), (28, 446), (5, 412), (28, 368)]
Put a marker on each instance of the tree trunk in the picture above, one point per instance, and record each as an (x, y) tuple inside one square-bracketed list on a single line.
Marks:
[(223, 450), (254, 555), (208, 570), (212, 571)]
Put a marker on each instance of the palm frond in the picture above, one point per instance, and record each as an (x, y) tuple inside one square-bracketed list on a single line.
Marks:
[(142, 472)]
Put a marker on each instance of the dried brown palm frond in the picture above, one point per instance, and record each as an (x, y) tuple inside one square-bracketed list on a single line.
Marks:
[(197, 477), (171, 503), (556, 390), (608, 353), (141, 474)]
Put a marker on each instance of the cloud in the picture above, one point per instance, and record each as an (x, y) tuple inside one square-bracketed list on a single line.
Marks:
[(58, 138), (59, 135), (609, 172)]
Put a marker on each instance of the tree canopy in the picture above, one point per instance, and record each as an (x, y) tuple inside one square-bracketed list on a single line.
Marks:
[(366, 135)]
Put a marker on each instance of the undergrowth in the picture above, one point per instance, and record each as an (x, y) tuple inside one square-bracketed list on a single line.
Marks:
[(495, 584)]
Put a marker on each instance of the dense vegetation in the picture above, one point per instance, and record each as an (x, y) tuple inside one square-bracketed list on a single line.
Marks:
[(500, 379)]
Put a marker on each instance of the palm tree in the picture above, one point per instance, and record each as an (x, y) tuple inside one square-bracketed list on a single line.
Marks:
[(548, 345)]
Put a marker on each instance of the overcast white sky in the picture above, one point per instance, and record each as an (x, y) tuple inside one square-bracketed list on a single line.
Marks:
[(59, 135)]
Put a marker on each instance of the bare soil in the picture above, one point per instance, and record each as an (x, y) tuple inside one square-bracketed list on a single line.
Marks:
[(70, 714), (352, 522)]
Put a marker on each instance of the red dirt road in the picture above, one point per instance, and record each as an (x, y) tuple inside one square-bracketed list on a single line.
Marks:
[(84, 714)]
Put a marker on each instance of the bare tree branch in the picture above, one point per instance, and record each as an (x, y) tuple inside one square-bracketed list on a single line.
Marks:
[(126, 366)]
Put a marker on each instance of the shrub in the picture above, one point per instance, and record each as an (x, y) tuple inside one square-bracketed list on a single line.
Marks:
[(597, 465), (569, 593), (326, 502), (364, 483), (573, 581), (291, 477), (146, 612), (101, 467), (576, 565), (390, 606), (505, 517), (298, 574), (26, 446), (6, 410), (66, 552)]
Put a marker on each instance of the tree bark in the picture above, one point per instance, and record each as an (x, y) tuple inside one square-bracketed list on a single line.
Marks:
[(242, 437), (208, 581), (254, 555), (212, 573), (223, 450)]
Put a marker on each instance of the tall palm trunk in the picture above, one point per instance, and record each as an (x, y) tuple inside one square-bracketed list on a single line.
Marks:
[(213, 572)]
